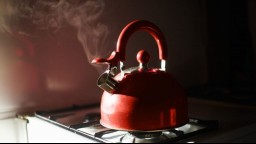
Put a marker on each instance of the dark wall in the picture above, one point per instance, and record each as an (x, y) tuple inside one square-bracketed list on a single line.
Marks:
[(230, 50)]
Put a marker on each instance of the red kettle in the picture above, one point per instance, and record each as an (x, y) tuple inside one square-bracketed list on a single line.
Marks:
[(140, 98)]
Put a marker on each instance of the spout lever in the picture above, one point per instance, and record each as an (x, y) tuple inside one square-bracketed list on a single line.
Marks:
[(107, 83)]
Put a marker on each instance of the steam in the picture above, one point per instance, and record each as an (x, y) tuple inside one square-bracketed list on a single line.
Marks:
[(53, 15), (91, 33)]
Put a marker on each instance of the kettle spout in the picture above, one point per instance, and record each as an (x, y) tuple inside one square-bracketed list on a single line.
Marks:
[(112, 60), (99, 61), (107, 83)]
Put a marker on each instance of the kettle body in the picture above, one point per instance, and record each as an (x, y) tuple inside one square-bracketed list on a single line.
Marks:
[(141, 98)]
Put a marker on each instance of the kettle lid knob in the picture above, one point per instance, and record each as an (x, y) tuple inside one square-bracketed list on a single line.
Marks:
[(143, 57)]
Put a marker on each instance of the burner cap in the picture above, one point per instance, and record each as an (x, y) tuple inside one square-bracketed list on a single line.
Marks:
[(146, 134), (143, 137)]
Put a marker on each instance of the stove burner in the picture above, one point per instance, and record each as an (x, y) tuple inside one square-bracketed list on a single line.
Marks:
[(143, 137), (92, 117)]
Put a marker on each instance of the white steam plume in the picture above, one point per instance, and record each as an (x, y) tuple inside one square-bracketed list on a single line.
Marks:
[(52, 15)]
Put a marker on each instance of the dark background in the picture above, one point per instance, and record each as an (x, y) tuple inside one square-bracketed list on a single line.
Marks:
[(230, 51)]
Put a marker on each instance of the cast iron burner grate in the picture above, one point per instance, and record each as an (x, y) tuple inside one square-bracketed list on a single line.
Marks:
[(86, 123)]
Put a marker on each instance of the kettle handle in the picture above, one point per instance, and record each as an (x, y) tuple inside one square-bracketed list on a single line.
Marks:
[(118, 56), (146, 26)]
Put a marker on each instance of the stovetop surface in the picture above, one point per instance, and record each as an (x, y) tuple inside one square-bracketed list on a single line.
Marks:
[(84, 121), (236, 123)]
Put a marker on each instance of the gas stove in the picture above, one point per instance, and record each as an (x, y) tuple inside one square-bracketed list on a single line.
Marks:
[(85, 122), (210, 121)]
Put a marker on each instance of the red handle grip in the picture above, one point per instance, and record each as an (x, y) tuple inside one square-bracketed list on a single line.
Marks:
[(145, 26)]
